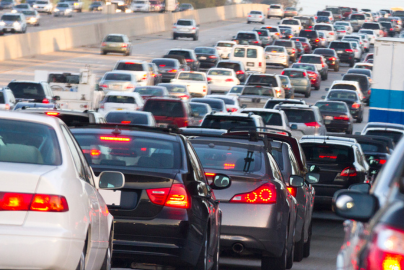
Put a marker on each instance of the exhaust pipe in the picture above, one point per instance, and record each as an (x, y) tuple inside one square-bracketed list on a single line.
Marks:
[(238, 248)]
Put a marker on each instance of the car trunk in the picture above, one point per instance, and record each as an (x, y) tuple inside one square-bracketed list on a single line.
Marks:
[(255, 96), (119, 85), (111, 106), (329, 117)]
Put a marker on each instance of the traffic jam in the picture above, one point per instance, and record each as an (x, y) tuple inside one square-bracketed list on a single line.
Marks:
[(212, 153)]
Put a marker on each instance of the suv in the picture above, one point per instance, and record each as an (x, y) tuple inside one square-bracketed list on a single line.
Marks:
[(30, 91), (189, 55), (290, 47), (13, 22), (186, 28), (276, 119), (352, 100), (312, 36), (336, 12), (299, 79), (275, 10), (317, 60), (232, 121), (373, 26), (265, 36), (237, 66), (44, 6), (249, 37), (331, 57), (7, 99), (363, 81), (140, 69), (155, 192), (357, 20), (345, 52)]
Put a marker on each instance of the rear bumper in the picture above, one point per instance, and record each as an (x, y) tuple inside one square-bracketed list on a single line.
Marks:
[(182, 34), (276, 61), (300, 88), (338, 126), (207, 64), (166, 77), (220, 88), (118, 50)]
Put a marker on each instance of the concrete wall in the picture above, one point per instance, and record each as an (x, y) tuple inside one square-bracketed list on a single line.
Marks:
[(47, 41)]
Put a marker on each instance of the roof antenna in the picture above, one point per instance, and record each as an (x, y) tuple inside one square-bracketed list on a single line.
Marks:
[(116, 131)]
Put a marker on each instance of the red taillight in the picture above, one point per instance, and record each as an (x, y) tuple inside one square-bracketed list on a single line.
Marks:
[(293, 50), (176, 196), (265, 194), (290, 36), (349, 172), (153, 75), (260, 64), (232, 110), (341, 117), (229, 80), (210, 174), (240, 72), (103, 44), (256, 42), (104, 86), (115, 139), (310, 27), (312, 124), (52, 113), (173, 71), (209, 79), (212, 57), (45, 100), (292, 191), (356, 106), (32, 202), (332, 58), (124, 45), (184, 96), (382, 161), (317, 40), (391, 29), (348, 50), (92, 152), (162, 65), (277, 33), (304, 74), (189, 60), (331, 33), (130, 86), (7, 107), (322, 65), (158, 195), (249, 15), (283, 72), (125, 122), (144, 77)]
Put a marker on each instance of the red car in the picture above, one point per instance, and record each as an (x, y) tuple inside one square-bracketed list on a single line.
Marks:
[(314, 75), (305, 42)]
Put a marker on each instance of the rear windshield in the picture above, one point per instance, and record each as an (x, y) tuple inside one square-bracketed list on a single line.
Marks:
[(74, 120), (235, 66), (257, 91), (262, 80), (241, 52), (114, 39), (303, 19), (275, 7), (322, 20), (271, 104), (201, 109), (398, 13), (26, 142), (216, 105), (256, 12), (131, 153), (174, 88), (357, 17), (384, 24), (184, 22), (149, 91), (293, 74), (324, 52), (262, 33), (283, 43), (290, 22), (117, 77), (164, 63), (303, 66), (186, 54), (326, 153), (373, 147), (396, 136), (340, 45), (269, 118), (226, 122), (362, 80), (370, 26), (272, 30), (331, 107), (246, 36), (343, 86), (28, 12), (164, 108), (120, 99), (300, 116), (275, 49), (2, 98), (236, 89), (204, 51), (333, 10), (308, 34), (347, 95), (218, 72), (217, 156), (358, 71), (322, 13), (127, 118), (130, 66), (227, 101), (224, 44), (191, 76), (64, 78), (323, 27), (27, 90), (310, 59)]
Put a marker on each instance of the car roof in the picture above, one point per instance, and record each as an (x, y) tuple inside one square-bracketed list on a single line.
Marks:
[(122, 93), (222, 96), (295, 106), (345, 82), (295, 69), (342, 90), (287, 99), (130, 112), (222, 114), (384, 125), (180, 49), (30, 117), (135, 61), (44, 110), (331, 101), (261, 110), (119, 72), (328, 140), (22, 81)]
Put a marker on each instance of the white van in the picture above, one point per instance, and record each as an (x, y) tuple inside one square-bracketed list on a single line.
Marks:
[(253, 57), (224, 48)]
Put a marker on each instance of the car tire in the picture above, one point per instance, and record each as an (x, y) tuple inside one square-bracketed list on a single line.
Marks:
[(367, 50), (250, 22), (336, 68), (106, 265), (103, 52), (359, 120), (268, 17), (268, 263), (175, 37), (308, 93), (306, 248), (299, 249), (352, 63), (195, 37), (317, 87), (349, 132), (79, 10), (82, 262), (202, 263)]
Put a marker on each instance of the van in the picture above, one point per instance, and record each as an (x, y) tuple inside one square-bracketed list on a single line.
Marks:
[(253, 57)]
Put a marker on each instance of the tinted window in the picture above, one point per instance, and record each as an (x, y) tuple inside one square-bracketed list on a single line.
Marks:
[(28, 12), (174, 88), (130, 66), (235, 66), (373, 147), (262, 33), (343, 95), (218, 72), (307, 33), (275, 49), (256, 12), (149, 91), (127, 118), (64, 78), (326, 153), (340, 45), (117, 77), (216, 105), (246, 36), (303, 19), (290, 22), (191, 76), (121, 99), (294, 74), (74, 120), (371, 26), (227, 101), (283, 43), (300, 116), (331, 107), (324, 52), (2, 98), (201, 109), (236, 89), (164, 63), (27, 90), (205, 51), (357, 17), (114, 39), (275, 7), (396, 136), (26, 142), (184, 22), (310, 59), (320, 13), (303, 66), (343, 86), (269, 118), (322, 20), (186, 54), (164, 108), (262, 80), (212, 121), (257, 91), (323, 27)]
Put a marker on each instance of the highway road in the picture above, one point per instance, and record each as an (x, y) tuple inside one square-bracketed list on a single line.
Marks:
[(327, 234)]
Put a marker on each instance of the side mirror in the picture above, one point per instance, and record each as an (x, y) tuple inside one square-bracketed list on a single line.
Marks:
[(296, 181), (327, 89), (56, 98), (355, 205), (293, 127), (312, 178), (221, 181), (361, 187), (111, 180), (322, 97)]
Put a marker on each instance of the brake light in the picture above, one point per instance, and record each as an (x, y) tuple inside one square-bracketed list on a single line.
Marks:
[(184, 96), (332, 33), (209, 79), (292, 191), (341, 117), (239, 72), (260, 64), (290, 36), (7, 107), (144, 77), (45, 100), (293, 50), (317, 40), (92, 152), (277, 33), (304, 74), (229, 166), (178, 197), (153, 75), (332, 58), (172, 71), (322, 64), (283, 73), (210, 174), (32, 202), (229, 80), (369, 91), (103, 44), (124, 45), (310, 27), (256, 42), (115, 139), (189, 60), (104, 86), (349, 172), (265, 194), (382, 161), (52, 113), (232, 110), (125, 122), (162, 65), (356, 106), (130, 86), (212, 57), (249, 15), (193, 28), (312, 124), (348, 50)]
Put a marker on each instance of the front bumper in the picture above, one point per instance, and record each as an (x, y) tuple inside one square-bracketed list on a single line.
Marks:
[(114, 49)]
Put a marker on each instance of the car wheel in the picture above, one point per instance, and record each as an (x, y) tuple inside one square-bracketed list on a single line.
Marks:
[(195, 37), (202, 263), (268, 263), (352, 63), (289, 258), (317, 87), (217, 254), (306, 249), (103, 52), (127, 53), (359, 120), (349, 132), (248, 22), (268, 17), (82, 261), (308, 93), (367, 50), (106, 265), (299, 249)]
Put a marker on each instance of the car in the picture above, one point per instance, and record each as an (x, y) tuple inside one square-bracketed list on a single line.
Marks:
[(186, 28), (116, 43), (346, 11), (208, 57), (235, 90), (291, 12), (364, 83), (224, 48), (314, 75), (274, 31), (305, 43), (231, 102), (296, 25), (344, 51), (196, 82), (356, 48), (371, 34), (32, 17), (336, 12), (325, 13), (318, 61), (168, 68), (328, 29), (266, 80), (176, 90), (170, 112), (363, 66), (237, 66), (312, 36), (391, 32), (20, 7), (347, 24), (368, 56), (272, 102), (336, 115), (276, 119), (7, 4), (290, 47), (323, 39), (395, 21), (13, 22), (147, 92), (247, 38), (95, 6), (200, 110), (118, 81), (351, 98), (138, 118), (362, 71), (155, 73), (69, 117), (30, 91), (299, 48), (150, 157), (374, 26), (286, 32), (77, 5), (156, 6), (190, 57), (7, 99), (357, 20), (58, 208), (275, 10), (251, 56), (140, 6), (44, 6), (121, 101), (277, 55), (363, 44), (232, 121), (63, 9), (255, 16), (331, 57), (341, 31), (366, 41), (141, 74), (221, 79), (306, 21), (265, 36), (216, 105), (323, 20), (287, 87), (184, 66), (185, 6), (299, 79), (393, 131), (347, 85), (339, 161)]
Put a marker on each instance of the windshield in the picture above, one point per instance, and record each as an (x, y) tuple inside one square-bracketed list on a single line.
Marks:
[(236, 89), (184, 22), (28, 12), (235, 66), (185, 54), (149, 91), (326, 153), (64, 78), (290, 22), (227, 101), (332, 107), (127, 118), (120, 99), (310, 59), (11, 18), (323, 27), (224, 44), (191, 77), (321, 20), (343, 86), (227, 122), (262, 80), (246, 36), (27, 90), (62, 5), (201, 109), (130, 66), (262, 33), (174, 88), (340, 45), (258, 91), (216, 105), (394, 135), (357, 17), (28, 142), (256, 12), (272, 103), (218, 72), (305, 67), (300, 116), (371, 26), (293, 73), (118, 77), (283, 43), (323, 14), (346, 95), (114, 39), (308, 33), (269, 118), (205, 51), (164, 108)]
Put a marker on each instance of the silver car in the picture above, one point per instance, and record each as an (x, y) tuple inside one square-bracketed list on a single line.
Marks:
[(13, 22), (118, 81), (7, 99), (276, 10), (32, 17), (272, 118), (63, 9), (186, 28), (21, 7), (299, 79), (256, 16)]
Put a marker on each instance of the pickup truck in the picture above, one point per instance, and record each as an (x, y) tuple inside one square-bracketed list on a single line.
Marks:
[(196, 82), (76, 4)]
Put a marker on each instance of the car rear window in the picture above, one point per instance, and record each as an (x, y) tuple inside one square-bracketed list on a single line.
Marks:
[(191, 76), (186, 54), (166, 108), (269, 118), (216, 105), (303, 19), (343, 86), (164, 63), (114, 39), (120, 99), (331, 107), (274, 49), (283, 43), (384, 24), (394, 135), (184, 22), (235, 66), (275, 7), (324, 51), (127, 118), (327, 153), (362, 80), (357, 17), (262, 80), (371, 26), (293, 74), (373, 147), (322, 13), (201, 109), (204, 51), (322, 19), (323, 27), (227, 101), (256, 12), (308, 34), (334, 10), (246, 36), (305, 67), (272, 30), (227, 122), (130, 66), (2, 101), (132, 152), (262, 33), (236, 89), (27, 90), (290, 22), (74, 120), (118, 77), (149, 91), (257, 91), (225, 156), (241, 52), (340, 45), (347, 95), (224, 44), (218, 72), (310, 59), (27, 142), (64, 78), (300, 115), (174, 88)]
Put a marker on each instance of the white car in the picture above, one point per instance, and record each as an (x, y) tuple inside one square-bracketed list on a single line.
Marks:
[(140, 5), (196, 82), (347, 85), (346, 24), (328, 29), (139, 68), (341, 31), (131, 118), (13, 22), (364, 65), (371, 34), (224, 48), (121, 101), (52, 213), (221, 79), (275, 10), (44, 6), (277, 55), (118, 81), (231, 102), (276, 119), (186, 28), (256, 16), (296, 25), (366, 41)]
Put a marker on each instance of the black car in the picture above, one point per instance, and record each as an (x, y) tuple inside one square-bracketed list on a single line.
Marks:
[(237, 66), (312, 36), (248, 38), (158, 77), (168, 68), (389, 27), (183, 62), (339, 161), (29, 91), (336, 116), (190, 57), (207, 56), (363, 81), (351, 99), (166, 213), (330, 56), (344, 51)]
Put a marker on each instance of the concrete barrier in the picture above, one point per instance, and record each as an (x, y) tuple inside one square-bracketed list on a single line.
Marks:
[(47, 41)]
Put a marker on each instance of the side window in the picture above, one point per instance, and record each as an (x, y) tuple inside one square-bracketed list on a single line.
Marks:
[(276, 172), (295, 167), (195, 164)]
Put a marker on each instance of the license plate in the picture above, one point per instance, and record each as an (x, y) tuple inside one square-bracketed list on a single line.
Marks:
[(328, 118), (111, 197), (249, 64), (202, 58), (340, 51), (163, 125), (184, 30), (116, 87)]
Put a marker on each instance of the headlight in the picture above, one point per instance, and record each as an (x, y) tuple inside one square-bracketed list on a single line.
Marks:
[(16, 23), (56, 10), (14, 11), (32, 19), (68, 10), (76, 4), (35, 6), (2, 23), (121, 4)]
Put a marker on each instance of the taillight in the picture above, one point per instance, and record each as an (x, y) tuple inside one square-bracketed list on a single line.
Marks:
[(386, 252), (391, 29), (304, 74), (317, 40), (130, 86), (212, 57), (283, 72), (229, 80), (184, 96), (189, 60), (93, 152), (382, 161), (260, 64), (210, 174), (32, 202), (124, 45), (232, 110), (293, 50), (176, 196), (310, 27), (172, 71), (256, 42), (144, 77), (348, 50), (240, 72), (349, 172), (332, 59), (369, 91), (204, 89), (322, 65), (312, 124), (52, 113), (331, 33), (125, 122), (277, 33), (292, 191), (290, 36), (104, 86), (356, 106), (115, 139), (341, 117), (265, 194), (7, 107), (45, 100), (103, 44), (209, 79)]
